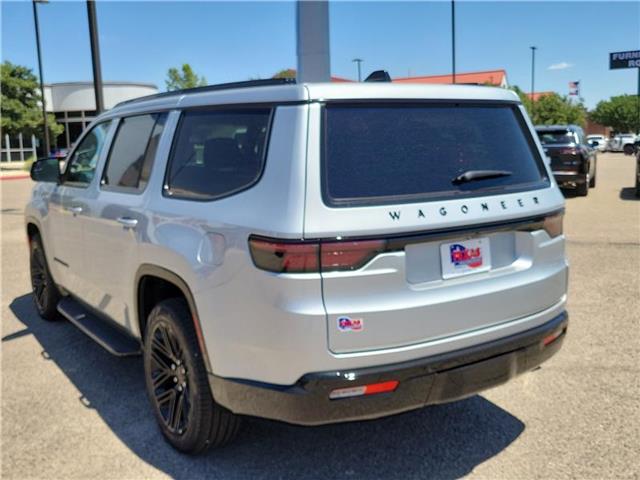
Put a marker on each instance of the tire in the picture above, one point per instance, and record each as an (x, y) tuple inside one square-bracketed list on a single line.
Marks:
[(628, 149), (177, 384), (45, 291), (582, 189), (592, 180)]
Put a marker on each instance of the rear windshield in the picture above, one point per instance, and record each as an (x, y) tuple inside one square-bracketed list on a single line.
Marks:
[(556, 137), (396, 153)]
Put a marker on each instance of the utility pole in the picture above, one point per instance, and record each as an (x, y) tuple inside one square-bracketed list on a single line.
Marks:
[(95, 55), (358, 61), (453, 40), (47, 145), (533, 74)]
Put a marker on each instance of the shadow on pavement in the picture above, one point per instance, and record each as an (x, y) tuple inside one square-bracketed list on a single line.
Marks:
[(629, 193), (445, 441)]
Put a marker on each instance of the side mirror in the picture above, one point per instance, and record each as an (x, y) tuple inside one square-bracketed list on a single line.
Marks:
[(46, 170), (594, 143)]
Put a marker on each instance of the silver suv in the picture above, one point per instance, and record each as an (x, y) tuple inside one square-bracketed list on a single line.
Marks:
[(311, 253)]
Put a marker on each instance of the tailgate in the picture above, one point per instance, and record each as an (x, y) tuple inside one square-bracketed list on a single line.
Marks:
[(402, 298)]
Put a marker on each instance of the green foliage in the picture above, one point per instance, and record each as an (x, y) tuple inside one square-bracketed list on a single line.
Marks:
[(183, 78), (619, 113), (20, 103), (286, 73), (553, 109)]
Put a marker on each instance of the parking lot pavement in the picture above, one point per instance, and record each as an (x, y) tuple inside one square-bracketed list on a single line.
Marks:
[(70, 410)]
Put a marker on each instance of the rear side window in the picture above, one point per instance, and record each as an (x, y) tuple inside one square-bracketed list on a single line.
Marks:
[(217, 153), (396, 153), (134, 148)]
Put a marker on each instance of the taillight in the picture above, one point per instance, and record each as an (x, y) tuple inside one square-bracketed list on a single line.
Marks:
[(568, 151), (307, 257), (348, 255), (284, 257), (553, 224)]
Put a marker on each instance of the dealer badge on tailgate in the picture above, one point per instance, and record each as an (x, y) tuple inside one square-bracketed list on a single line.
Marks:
[(465, 257)]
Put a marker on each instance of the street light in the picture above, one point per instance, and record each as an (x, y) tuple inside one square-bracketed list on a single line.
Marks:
[(95, 55), (44, 106), (533, 72), (358, 61)]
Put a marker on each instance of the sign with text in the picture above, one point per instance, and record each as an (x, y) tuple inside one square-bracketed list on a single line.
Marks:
[(629, 59)]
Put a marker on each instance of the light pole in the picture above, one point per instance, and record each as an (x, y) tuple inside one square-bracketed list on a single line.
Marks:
[(95, 55), (453, 40), (44, 106), (533, 72), (358, 61)]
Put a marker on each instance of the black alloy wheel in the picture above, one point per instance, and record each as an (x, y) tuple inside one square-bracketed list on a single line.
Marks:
[(45, 292), (178, 382), (170, 379)]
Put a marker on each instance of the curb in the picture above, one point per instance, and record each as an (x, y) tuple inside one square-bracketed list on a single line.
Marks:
[(15, 177)]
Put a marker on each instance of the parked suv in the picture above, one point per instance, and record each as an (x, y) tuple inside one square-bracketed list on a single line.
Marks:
[(310, 253), (573, 160)]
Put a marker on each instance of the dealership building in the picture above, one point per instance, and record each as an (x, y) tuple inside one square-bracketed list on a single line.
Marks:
[(74, 105)]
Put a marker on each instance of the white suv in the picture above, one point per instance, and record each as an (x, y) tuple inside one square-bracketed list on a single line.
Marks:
[(310, 253)]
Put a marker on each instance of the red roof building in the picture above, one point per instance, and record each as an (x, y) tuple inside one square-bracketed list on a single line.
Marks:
[(496, 78), (537, 95)]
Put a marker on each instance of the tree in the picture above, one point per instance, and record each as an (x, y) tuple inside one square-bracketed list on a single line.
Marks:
[(619, 113), (553, 109), (183, 78), (286, 73), (21, 103)]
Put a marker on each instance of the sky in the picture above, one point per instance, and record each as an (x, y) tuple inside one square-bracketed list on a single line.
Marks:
[(233, 41)]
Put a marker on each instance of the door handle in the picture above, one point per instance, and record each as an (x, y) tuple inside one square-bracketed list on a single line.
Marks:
[(127, 222), (75, 210)]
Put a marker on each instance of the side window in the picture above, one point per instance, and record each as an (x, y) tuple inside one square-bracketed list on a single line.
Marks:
[(132, 152), (81, 167), (217, 152)]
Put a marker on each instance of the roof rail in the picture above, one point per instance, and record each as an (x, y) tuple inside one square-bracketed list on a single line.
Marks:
[(211, 88)]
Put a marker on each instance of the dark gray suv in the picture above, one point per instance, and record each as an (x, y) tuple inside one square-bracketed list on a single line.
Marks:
[(573, 160)]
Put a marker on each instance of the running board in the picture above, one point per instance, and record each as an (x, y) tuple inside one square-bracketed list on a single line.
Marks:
[(111, 338)]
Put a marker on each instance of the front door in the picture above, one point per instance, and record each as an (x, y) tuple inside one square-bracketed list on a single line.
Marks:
[(69, 203)]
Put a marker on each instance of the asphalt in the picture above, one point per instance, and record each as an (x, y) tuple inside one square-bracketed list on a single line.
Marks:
[(70, 410)]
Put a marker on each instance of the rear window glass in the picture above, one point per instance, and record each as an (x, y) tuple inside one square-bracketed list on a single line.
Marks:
[(556, 137), (395, 153), (217, 153)]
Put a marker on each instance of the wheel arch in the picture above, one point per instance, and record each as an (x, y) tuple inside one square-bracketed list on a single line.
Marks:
[(153, 276)]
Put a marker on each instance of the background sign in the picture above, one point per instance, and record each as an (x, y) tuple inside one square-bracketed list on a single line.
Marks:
[(629, 59)]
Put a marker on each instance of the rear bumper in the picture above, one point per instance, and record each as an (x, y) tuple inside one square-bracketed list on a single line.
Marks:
[(437, 379), (564, 177)]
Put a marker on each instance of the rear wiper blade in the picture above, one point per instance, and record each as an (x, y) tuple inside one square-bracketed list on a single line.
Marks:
[(471, 175)]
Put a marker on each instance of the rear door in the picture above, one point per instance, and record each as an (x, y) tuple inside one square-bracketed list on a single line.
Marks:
[(115, 219), (431, 220)]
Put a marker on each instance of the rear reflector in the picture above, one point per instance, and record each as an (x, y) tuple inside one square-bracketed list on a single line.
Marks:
[(370, 389), (549, 339)]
